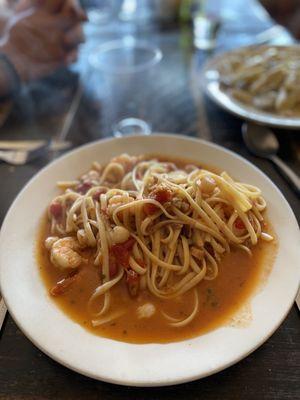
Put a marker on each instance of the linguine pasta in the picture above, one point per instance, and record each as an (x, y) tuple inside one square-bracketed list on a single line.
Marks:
[(160, 227)]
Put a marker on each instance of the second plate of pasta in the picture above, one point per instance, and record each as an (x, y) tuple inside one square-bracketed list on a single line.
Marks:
[(258, 83)]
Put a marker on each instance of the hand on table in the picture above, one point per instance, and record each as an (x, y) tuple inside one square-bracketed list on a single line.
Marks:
[(42, 36)]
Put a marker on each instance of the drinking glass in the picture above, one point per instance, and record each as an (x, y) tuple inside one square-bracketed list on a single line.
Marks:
[(125, 71), (99, 11), (206, 23), (206, 28)]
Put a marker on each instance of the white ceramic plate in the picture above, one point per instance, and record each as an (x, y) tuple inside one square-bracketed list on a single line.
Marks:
[(210, 81), (150, 364)]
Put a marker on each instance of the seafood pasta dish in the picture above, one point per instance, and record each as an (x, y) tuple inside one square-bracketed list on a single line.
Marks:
[(151, 249)]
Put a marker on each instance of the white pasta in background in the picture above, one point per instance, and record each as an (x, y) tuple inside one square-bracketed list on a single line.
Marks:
[(265, 77)]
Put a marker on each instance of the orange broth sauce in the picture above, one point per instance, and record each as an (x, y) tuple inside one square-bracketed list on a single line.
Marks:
[(238, 279)]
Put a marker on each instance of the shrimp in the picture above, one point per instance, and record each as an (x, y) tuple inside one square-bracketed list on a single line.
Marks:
[(63, 252), (49, 242), (126, 161)]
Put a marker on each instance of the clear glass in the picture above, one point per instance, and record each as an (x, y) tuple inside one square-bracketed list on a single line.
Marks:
[(207, 17), (122, 74), (206, 28)]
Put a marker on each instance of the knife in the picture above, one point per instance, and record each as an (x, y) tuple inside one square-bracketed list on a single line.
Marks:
[(55, 145)]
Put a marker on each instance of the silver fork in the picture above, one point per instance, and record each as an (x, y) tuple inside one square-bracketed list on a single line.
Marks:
[(21, 157)]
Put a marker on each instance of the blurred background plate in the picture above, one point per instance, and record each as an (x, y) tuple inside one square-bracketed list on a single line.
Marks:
[(211, 85)]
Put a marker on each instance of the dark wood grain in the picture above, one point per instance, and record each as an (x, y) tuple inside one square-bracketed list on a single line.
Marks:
[(177, 104)]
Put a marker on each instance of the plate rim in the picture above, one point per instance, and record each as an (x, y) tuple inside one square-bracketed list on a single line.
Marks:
[(146, 383)]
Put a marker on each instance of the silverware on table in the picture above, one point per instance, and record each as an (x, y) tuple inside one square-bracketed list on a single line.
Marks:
[(60, 137), (262, 142), (68, 120), (54, 145), (21, 157)]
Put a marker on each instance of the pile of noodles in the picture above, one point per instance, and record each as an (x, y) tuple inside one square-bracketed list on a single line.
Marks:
[(179, 243)]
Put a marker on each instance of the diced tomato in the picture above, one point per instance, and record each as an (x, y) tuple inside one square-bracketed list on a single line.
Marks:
[(239, 224), (56, 210), (97, 194), (63, 285), (141, 263), (122, 252), (133, 282), (160, 194), (150, 208), (83, 187), (128, 245), (113, 266)]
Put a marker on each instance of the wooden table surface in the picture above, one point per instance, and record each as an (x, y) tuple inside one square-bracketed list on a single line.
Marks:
[(272, 371)]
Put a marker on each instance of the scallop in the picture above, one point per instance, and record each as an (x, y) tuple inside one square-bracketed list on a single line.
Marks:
[(147, 310)]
